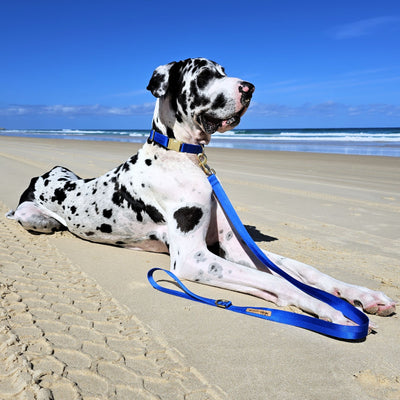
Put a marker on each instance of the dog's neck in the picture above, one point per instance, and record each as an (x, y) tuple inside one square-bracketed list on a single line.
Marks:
[(166, 122), (163, 118)]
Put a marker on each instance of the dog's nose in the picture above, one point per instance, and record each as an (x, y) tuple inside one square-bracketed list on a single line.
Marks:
[(246, 89)]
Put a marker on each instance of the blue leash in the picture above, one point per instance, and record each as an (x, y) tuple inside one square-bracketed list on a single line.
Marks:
[(348, 332)]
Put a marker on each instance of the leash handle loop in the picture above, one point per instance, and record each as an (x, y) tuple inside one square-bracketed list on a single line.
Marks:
[(285, 317)]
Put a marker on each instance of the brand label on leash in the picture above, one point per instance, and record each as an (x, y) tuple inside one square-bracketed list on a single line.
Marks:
[(266, 313)]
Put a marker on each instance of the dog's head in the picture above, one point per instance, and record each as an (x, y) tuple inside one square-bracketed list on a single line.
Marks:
[(196, 99)]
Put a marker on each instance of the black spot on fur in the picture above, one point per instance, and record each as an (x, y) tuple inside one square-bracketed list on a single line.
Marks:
[(107, 213), (46, 175), (148, 161), (216, 270), (154, 214), (122, 195), (219, 102), (73, 210), (133, 159), (187, 218), (117, 169), (69, 186), (96, 208), (59, 196), (204, 78), (197, 99), (89, 233), (182, 100), (170, 133), (104, 228)]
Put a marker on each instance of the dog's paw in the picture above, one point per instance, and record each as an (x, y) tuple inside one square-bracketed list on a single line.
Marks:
[(376, 303), (383, 310), (10, 214)]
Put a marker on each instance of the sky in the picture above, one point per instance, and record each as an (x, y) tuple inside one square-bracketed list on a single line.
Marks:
[(86, 64)]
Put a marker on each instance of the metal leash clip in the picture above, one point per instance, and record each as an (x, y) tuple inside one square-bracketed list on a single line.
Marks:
[(203, 164)]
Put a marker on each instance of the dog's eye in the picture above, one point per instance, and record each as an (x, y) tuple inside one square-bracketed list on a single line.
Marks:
[(203, 78)]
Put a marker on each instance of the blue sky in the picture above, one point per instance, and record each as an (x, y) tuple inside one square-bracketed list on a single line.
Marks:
[(86, 64)]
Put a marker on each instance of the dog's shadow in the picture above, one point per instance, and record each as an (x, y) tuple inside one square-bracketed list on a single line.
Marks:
[(258, 236)]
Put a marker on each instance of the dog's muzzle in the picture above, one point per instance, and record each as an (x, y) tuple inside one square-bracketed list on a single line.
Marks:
[(211, 124)]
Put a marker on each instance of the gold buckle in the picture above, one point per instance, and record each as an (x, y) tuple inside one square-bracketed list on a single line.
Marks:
[(221, 303), (174, 144)]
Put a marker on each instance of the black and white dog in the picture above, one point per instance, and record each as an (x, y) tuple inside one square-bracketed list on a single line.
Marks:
[(160, 200)]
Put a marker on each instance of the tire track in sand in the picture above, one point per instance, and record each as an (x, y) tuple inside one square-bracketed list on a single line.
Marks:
[(63, 337)]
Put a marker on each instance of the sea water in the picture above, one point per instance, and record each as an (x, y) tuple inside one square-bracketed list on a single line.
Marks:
[(361, 141)]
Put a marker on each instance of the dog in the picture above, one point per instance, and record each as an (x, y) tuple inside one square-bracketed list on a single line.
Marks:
[(160, 200)]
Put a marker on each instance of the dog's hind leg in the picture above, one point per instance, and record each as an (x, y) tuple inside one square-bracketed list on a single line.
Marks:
[(34, 219)]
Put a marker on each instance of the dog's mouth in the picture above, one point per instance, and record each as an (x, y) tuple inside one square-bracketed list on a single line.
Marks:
[(210, 124)]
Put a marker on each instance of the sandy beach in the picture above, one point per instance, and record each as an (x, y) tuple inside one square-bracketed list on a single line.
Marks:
[(79, 320)]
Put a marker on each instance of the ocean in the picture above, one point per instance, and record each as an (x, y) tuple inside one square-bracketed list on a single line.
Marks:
[(361, 141)]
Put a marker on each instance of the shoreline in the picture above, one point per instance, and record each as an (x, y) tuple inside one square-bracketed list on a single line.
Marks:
[(324, 145), (339, 213)]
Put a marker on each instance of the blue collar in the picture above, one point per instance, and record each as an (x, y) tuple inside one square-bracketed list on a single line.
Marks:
[(173, 144)]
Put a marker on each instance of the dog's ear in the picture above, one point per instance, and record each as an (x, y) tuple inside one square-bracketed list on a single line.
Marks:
[(158, 84)]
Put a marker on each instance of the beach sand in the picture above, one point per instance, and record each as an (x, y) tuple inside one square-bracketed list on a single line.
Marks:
[(80, 321)]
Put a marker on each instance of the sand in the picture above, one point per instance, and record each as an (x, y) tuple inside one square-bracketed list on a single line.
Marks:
[(79, 320)]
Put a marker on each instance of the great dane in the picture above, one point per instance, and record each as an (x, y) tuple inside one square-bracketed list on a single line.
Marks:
[(160, 200)]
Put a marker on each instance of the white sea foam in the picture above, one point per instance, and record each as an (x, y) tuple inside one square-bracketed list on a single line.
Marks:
[(371, 141)]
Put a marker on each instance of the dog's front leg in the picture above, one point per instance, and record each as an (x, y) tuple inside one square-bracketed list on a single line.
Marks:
[(191, 259), (198, 264), (373, 302)]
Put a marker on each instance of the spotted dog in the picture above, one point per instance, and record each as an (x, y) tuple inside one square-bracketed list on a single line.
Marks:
[(160, 200)]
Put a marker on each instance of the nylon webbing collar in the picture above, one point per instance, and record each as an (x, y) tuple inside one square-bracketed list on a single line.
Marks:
[(173, 144)]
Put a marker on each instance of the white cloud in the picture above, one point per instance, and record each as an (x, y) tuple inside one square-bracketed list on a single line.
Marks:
[(364, 27), (82, 110), (328, 109)]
